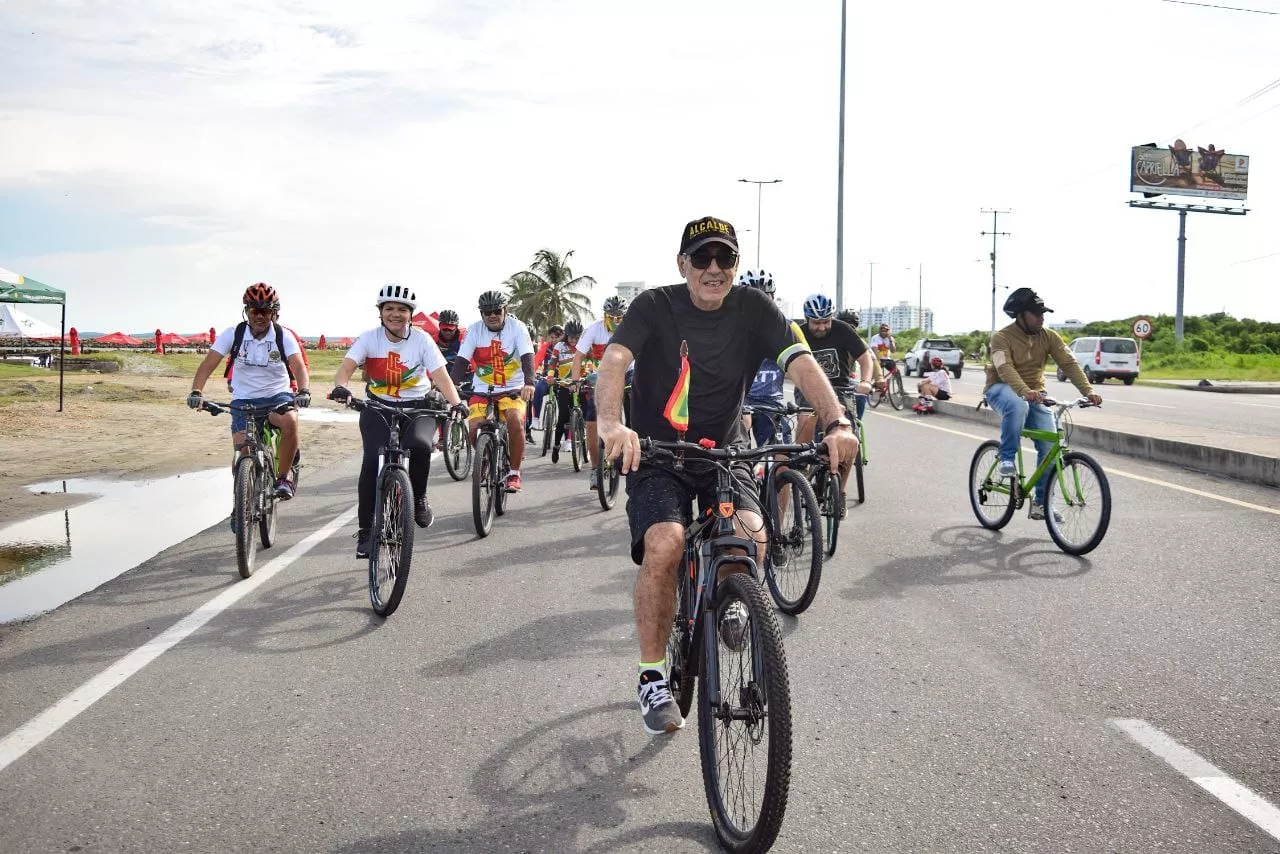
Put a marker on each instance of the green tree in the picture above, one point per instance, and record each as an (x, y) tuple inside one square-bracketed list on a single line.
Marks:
[(548, 293)]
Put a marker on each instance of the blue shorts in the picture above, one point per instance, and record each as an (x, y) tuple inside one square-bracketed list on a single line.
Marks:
[(238, 421)]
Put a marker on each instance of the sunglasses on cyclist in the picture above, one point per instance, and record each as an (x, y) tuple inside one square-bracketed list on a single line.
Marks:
[(724, 257), (260, 309), (448, 327), (493, 312)]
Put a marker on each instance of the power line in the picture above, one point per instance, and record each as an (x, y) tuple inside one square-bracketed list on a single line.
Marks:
[(1227, 8), (1251, 260)]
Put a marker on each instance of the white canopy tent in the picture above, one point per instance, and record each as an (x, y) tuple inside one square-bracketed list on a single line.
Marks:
[(15, 323)]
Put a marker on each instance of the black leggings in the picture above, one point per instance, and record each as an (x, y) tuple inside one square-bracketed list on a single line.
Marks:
[(564, 411), (418, 435)]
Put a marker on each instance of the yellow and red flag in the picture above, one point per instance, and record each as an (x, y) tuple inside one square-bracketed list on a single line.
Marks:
[(677, 411)]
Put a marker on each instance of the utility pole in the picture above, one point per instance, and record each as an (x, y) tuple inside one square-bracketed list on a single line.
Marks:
[(871, 289), (759, 206), (920, 296), (995, 233), (840, 172)]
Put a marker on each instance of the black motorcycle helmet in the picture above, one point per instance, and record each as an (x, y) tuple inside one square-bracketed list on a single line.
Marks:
[(1024, 299)]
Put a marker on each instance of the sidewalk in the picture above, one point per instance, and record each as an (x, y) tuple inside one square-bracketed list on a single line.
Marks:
[(1221, 386), (1251, 458)]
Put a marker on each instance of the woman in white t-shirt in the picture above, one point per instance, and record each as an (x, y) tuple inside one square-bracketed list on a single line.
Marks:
[(400, 364)]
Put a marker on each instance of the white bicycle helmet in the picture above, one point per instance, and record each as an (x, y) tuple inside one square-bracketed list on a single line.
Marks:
[(398, 293), (761, 281)]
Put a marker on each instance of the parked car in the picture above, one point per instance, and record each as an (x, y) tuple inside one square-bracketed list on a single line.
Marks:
[(1103, 358), (918, 357)]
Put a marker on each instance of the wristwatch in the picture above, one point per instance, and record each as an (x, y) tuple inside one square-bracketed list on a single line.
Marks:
[(839, 422)]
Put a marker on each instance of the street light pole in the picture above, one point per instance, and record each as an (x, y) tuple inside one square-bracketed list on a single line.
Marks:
[(871, 289), (759, 207), (840, 171)]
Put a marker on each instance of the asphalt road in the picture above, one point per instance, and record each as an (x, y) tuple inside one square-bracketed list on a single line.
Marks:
[(1231, 415), (953, 688)]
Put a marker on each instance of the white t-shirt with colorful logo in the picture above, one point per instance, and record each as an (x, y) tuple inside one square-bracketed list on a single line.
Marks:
[(592, 343), (497, 354), (397, 370), (259, 369)]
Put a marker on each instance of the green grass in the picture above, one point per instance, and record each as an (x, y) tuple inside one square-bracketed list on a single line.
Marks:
[(1212, 366)]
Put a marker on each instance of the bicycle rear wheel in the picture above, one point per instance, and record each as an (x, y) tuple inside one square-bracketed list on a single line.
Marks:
[(745, 740), (607, 478), (457, 449), (897, 395), (991, 497), (1080, 494), (793, 563), (578, 443), (391, 541), (244, 514), (268, 504), (483, 488)]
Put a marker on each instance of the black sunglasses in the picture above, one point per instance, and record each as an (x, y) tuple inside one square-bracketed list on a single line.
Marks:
[(724, 257), (491, 311)]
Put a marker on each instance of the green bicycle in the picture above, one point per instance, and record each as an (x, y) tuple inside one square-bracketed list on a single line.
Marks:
[(1077, 497)]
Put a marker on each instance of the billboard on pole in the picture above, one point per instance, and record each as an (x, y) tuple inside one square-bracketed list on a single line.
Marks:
[(1182, 171)]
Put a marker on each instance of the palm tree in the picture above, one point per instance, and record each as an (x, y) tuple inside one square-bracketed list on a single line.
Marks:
[(548, 293)]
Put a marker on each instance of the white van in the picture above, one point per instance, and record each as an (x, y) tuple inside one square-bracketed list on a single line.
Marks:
[(1102, 358)]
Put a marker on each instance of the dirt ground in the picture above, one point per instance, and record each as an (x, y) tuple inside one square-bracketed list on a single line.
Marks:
[(125, 426)]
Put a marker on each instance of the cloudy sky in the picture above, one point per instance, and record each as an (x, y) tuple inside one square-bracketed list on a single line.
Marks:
[(157, 157)]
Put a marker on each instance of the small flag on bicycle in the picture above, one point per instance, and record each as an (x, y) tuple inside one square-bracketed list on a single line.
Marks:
[(677, 411)]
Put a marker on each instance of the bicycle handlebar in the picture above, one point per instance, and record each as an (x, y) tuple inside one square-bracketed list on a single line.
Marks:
[(769, 409), (417, 407), (660, 449), (215, 408)]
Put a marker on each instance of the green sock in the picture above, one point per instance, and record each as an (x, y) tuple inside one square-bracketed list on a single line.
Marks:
[(660, 666)]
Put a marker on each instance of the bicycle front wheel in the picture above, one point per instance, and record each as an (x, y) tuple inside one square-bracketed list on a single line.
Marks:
[(578, 443), (897, 395), (830, 502), (793, 563), (745, 738), (244, 515), (991, 496), (1078, 504), (607, 478), (548, 420), (391, 542), (457, 450), (483, 488), (875, 397)]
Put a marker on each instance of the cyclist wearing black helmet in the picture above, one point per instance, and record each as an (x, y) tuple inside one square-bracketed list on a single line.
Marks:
[(503, 354), (449, 337), (586, 356), (1015, 381)]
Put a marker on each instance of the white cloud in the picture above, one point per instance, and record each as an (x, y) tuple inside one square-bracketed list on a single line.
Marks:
[(329, 148)]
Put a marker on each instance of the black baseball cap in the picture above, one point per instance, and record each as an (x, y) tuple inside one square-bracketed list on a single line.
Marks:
[(708, 229)]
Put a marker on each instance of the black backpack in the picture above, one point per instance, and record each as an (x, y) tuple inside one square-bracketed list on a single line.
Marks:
[(239, 339)]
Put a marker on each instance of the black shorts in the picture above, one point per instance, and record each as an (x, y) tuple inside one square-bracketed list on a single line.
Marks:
[(943, 395), (656, 493)]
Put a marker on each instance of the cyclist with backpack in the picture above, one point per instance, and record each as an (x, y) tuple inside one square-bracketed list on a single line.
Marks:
[(269, 361)]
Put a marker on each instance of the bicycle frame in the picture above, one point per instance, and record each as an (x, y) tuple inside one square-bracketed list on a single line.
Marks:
[(1057, 438)]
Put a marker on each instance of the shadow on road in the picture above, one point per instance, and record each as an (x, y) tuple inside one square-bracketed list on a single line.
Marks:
[(564, 786), (974, 555)]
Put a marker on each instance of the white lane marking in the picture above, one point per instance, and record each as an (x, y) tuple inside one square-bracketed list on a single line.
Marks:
[(1204, 774), (1136, 403), (1255, 405), (45, 724), (1109, 470)]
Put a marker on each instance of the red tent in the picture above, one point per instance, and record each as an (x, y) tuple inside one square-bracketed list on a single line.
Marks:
[(172, 338), (119, 339), (344, 343), (427, 322), (199, 338)]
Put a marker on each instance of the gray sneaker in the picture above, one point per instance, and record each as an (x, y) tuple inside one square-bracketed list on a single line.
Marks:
[(1007, 468), (657, 706), (733, 626), (1037, 514)]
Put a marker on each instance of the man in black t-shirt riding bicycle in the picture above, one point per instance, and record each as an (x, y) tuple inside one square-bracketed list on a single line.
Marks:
[(838, 348), (729, 332)]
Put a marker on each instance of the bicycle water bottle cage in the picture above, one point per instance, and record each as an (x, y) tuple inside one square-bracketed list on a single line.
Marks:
[(707, 443)]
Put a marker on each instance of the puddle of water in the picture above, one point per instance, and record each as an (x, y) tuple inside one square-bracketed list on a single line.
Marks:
[(51, 559), (321, 414)]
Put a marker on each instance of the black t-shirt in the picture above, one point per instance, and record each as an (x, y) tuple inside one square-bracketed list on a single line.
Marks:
[(838, 352), (726, 346)]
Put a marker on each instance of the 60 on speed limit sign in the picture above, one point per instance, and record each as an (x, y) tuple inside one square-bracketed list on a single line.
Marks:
[(1142, 328)]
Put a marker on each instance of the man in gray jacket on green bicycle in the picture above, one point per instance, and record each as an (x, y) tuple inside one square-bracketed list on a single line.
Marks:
[(1015, 381)]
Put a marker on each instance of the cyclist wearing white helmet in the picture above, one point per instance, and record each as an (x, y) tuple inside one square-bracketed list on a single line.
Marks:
[(839, 350), (401, 362), (766, 388)]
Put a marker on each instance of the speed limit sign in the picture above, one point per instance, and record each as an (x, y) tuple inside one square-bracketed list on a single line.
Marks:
[(1142, 328)]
